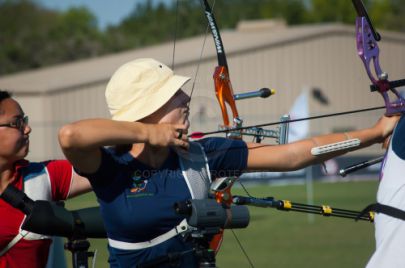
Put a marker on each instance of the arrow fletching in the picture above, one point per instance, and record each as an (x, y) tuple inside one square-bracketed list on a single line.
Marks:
[(196, 135)]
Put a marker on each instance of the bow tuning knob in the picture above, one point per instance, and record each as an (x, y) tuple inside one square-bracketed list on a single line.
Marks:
[(266, 92), (262, 93)]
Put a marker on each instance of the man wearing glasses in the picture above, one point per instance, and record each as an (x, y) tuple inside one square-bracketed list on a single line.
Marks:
[(49, 180)]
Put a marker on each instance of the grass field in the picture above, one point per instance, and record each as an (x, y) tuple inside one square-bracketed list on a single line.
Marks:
[(289, 239)]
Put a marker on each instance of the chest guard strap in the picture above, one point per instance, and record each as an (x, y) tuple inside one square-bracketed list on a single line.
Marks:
[(195, 169)]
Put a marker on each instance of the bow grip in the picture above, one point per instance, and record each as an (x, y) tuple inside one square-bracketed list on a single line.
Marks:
[(224, 93)]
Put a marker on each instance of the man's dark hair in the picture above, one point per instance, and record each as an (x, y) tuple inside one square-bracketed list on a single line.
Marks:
[(4, 95)]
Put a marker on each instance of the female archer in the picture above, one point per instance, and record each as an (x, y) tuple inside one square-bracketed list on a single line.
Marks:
[(143, 172), (50, 180)]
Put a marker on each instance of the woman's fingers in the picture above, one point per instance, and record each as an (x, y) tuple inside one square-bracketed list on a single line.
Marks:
[(386, 142), (386, 125), (163, 135), (181, 139)]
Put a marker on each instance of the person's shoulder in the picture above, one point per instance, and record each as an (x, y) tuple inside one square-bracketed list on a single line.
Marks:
[(220, 143), (52, 167), (213, 140), (401, 124), (26, 165), (62, 163), (22, 163), (112, 154), (399, 131)]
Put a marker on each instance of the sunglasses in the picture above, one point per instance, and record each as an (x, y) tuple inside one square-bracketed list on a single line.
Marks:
[(19, 123)]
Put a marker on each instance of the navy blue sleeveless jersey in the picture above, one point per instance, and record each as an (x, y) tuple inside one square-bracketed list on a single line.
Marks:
[(136, 201)]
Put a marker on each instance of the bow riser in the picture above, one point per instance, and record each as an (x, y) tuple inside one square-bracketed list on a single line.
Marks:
[(369, 52), (367, 48), (224, 93)]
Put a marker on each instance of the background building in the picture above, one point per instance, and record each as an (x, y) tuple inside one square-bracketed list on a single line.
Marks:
[(260, 54)]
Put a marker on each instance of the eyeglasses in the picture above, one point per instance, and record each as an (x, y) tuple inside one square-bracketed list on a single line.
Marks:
[(19, 123)]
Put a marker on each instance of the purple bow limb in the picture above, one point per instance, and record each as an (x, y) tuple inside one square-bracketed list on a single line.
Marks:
[(368, 51)]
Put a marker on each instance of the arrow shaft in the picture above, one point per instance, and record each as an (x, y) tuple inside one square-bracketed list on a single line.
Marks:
[(291, 121)]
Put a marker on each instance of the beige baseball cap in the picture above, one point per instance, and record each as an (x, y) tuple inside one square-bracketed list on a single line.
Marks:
[(140, 87)]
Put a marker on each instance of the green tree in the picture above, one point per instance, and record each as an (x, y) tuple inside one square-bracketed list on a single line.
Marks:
[(331, 11), (388, 14), (292, 11), (23, 28), (75, 32), (149, 24), (32, 37)]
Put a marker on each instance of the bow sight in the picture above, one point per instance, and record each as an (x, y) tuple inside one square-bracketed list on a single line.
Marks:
[(281, 134)]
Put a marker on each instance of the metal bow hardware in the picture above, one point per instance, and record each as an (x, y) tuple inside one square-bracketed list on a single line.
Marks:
[(232, 125), (368, 50), (226, 97)]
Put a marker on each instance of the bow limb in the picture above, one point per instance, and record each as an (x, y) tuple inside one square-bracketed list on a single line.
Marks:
[(225, 95), (222, 82), (369, 52)]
